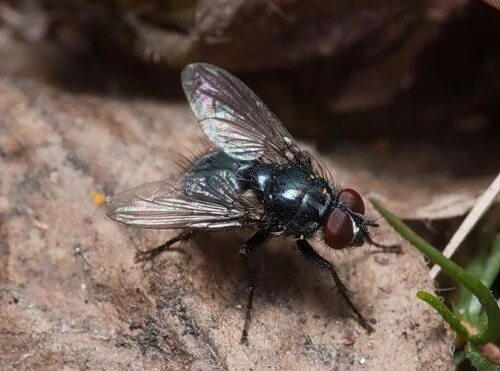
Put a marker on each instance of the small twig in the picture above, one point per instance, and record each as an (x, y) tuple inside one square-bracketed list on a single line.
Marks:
[(445, 289), (483, 203)]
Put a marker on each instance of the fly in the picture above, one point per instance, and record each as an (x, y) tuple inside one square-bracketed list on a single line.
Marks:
[(254, 177)]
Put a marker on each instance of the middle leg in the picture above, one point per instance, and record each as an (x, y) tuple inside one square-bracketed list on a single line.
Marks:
[(248, 247)]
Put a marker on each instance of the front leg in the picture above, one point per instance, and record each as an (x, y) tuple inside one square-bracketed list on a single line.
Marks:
[(393, 249), (248, 247), (321, 263)]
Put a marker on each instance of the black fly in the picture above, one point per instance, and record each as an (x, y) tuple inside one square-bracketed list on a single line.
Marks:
[(256, 177)]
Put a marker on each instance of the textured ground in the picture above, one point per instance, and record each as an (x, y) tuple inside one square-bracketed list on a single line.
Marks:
[(71, 295), (377, 93)]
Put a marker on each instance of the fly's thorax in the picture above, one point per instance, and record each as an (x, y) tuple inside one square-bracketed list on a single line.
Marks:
[(295, 199)]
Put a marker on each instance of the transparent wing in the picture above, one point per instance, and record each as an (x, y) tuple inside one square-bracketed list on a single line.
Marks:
[(163, 205), (234, 118)]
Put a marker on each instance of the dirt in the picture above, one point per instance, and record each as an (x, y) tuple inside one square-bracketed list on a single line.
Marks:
[(71, 295)]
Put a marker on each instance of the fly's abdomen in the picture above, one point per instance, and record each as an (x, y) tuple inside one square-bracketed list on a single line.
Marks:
[(214, 176)]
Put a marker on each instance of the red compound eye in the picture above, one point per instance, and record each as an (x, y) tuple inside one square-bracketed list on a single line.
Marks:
[(352, 200), (338, 230)]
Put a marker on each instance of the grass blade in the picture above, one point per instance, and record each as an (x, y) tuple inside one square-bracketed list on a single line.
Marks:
[(460, 275), (445, 312)]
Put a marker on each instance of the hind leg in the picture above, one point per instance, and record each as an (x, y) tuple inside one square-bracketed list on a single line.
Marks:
[(152, 253)]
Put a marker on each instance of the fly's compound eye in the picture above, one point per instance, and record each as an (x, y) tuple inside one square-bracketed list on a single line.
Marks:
[(339, 231), (352, 200)]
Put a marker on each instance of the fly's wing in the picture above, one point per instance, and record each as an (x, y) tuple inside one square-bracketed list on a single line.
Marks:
[(163, 205), (234, 118)]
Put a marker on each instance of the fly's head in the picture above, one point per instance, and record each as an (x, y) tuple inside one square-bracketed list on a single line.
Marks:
[(346, 224)]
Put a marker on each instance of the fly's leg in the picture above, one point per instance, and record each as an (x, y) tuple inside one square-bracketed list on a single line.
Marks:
[(152, 253), (248, 247), (321, 263), (393, 249), (251, 287)]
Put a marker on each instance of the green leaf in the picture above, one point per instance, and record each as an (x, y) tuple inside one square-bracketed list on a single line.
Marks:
[(460, 275), (486, 268), (492, 266), (445, 312), (478, 360)]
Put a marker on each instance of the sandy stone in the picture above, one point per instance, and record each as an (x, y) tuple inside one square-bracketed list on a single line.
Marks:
[(72, 297)]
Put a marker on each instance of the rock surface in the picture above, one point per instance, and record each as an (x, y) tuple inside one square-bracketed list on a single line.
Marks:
[(234, 33), (72, 297), (77, 126)]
